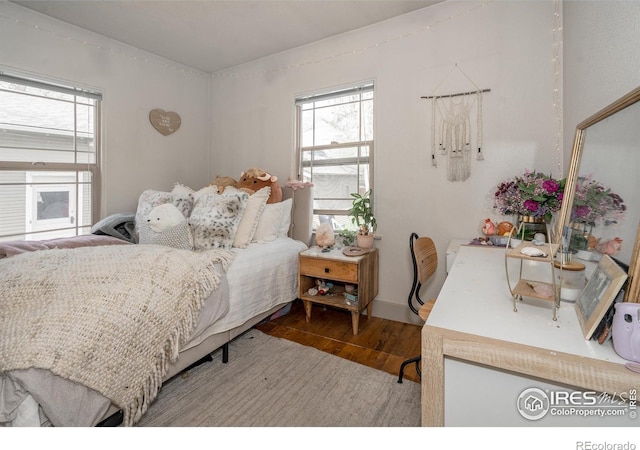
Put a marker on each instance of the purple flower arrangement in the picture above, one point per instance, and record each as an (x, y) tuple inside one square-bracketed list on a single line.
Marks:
[(595, 204), (530, 194)]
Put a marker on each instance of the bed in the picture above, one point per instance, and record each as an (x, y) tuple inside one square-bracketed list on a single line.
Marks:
[(239, 288)]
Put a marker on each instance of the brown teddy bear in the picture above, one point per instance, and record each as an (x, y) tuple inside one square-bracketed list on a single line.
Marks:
[(222, 182), (255, 179)]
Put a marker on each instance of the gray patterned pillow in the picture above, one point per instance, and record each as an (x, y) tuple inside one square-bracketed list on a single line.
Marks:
[(215, 217), (150, 198), (177, 236)]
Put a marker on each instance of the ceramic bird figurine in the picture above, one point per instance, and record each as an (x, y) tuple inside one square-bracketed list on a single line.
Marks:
[(489, 228)]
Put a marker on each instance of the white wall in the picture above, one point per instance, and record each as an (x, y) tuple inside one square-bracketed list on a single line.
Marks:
[(503, 46), (601, 60), (507, 47), (601, 64), (135, 155)]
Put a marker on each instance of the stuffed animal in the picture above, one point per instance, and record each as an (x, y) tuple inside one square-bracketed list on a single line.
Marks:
[(222, 182), (505, 228), (163, 217), (165, 225), (611, 247), (255, 179), (323, 287)]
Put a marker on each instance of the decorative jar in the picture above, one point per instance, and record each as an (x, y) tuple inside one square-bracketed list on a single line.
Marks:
[(571, 278), (528, 226)]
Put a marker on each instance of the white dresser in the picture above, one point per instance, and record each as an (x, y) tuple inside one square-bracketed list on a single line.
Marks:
[(479, 356), (452, 251)]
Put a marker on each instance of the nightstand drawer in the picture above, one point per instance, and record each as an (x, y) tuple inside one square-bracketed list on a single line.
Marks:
[(334, 270)]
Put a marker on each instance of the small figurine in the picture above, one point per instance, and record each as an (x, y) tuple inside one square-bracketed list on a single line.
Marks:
[(322, 287), (325, 238), (489, 228), (505, 228), (611, 247)]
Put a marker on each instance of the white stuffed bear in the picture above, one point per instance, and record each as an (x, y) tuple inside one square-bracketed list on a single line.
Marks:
[(163, 217), (166, 225)]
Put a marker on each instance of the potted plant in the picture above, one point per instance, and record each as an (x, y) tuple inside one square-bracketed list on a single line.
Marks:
[(594, 205), (361, 213), (348, 237)]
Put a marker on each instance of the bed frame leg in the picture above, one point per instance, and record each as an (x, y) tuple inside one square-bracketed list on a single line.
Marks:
[(113, 420), (225, 353), (204, 359)]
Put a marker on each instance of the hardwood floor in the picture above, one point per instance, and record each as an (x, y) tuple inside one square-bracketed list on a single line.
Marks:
[(382, 344)]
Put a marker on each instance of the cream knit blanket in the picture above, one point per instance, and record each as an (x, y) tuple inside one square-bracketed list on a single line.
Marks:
[(111, 318)]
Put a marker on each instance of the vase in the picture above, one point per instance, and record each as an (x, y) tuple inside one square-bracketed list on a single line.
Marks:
[(580, 236), (529, 226), (530, 219), (364, 240)]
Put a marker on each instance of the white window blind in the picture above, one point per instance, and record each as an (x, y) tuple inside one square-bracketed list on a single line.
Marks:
[(335, 149), (49, 159)]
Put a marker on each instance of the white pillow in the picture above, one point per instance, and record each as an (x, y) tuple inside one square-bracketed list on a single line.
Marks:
[(285, 221), (183, 198), (249, 222), (211, 189), (269, 223), (215, 219), (180, 188)]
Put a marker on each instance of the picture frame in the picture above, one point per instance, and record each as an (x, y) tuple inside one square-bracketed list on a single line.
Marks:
[(600, 291)]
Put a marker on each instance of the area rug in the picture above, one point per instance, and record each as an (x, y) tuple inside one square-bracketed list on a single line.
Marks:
[(272, 382)]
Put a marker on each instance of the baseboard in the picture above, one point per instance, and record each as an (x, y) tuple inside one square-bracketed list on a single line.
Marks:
[(395, 311)]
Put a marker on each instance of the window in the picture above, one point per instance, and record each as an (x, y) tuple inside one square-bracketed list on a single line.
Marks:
[(335, 149), (49, 153)]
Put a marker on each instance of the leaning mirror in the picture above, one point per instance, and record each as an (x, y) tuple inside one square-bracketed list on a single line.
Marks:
[(601, 208)]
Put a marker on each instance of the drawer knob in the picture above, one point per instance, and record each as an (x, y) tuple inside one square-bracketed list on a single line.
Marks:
[(326, 270)]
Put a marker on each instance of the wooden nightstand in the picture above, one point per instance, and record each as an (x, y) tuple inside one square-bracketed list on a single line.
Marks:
[(360, 271)]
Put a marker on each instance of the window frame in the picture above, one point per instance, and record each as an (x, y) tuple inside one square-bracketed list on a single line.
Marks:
[(358, 161), (75, 168)]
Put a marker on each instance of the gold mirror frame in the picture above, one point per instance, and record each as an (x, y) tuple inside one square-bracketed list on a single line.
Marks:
[(632, 293)]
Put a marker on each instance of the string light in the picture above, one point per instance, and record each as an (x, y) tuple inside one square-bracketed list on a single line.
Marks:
[(424, 28), (557, 102), (111, 50), (235, 74)]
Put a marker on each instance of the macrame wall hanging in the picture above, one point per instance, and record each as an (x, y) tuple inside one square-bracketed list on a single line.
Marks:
[(455, 130)]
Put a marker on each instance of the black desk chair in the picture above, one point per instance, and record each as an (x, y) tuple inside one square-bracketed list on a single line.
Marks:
[(425, 263)]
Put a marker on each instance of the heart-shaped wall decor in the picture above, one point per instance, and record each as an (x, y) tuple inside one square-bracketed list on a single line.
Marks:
[(165, 122)]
